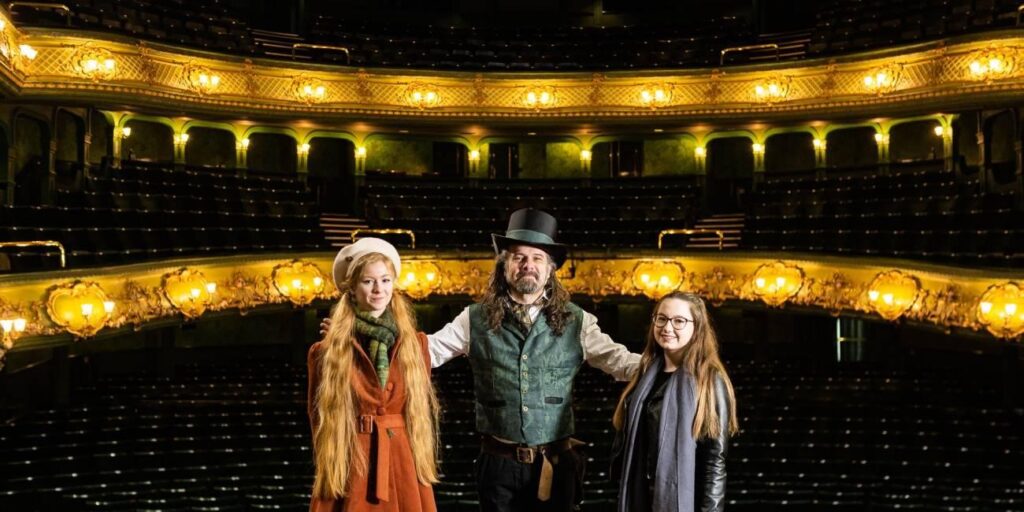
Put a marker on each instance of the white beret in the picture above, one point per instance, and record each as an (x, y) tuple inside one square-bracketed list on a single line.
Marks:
[(345, 261)]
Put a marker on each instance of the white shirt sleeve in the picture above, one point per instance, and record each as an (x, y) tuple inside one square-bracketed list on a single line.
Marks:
[(604, 354), (451, 341)]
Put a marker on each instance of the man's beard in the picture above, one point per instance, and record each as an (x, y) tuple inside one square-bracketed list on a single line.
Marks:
[(524, 286)]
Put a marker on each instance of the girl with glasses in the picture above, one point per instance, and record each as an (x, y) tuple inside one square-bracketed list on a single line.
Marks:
[(675, 416)]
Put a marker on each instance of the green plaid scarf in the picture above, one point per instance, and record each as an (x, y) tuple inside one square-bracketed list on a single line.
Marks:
[(379, 335)]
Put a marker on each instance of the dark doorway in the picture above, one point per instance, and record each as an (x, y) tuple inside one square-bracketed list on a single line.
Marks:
[(272, 153), (730, 167), (451, 159), (504, 164), (852, 149), (331, 177), (210, 147), (625, 158)]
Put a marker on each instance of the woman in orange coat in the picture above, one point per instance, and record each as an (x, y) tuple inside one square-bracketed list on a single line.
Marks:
[(372, 408)]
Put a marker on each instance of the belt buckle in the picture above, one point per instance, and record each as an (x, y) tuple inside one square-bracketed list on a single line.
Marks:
[(365, 424), (524, 454)]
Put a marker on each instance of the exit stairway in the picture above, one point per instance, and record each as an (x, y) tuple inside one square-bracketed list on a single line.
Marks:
[(338, 228), (730, 224)]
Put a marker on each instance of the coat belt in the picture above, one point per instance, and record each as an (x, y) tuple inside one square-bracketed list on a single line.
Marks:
[(370, 424)]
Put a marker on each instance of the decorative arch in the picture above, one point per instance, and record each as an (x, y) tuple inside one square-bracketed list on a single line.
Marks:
[(271, 129), (195, 123), (330, 134)]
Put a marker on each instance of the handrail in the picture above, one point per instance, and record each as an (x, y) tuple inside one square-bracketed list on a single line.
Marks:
[(719, 233), (412, 236), (308, 46), (40, 243), (44, 5), (766, 46)]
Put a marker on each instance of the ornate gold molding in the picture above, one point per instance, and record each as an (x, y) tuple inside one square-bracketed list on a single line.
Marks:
[(967, 68), (943, 296)]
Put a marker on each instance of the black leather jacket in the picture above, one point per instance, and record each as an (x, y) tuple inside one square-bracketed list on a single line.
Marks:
[(710, 468), (709, 489)]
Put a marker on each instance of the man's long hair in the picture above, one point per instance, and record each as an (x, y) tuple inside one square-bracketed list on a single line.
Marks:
[(337, 453), (497, 301)]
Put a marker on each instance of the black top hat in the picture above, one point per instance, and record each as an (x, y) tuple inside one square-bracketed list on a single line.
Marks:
[(534, 228)]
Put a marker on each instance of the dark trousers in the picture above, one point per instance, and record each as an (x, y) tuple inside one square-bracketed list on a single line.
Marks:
[(506, 485)]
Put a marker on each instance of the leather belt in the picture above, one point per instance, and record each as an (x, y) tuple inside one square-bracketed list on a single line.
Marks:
[(528, 454), (381, 460)]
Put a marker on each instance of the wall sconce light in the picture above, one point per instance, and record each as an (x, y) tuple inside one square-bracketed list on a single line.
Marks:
[(200, 79), (474, 155), (586, 155), (244, 143), (1001, 310), (892, 293), (422, 96), (700, 151), (126, 132), (776, 282), (361, 152), (12, 330), (309, 90), (656, 279), (655, 96), (758, 148), (93, 63), (81, 308), (188, 291), (884, 79), (939, 131), (27, 51), (772, 91), (539, 98), (991, 65), (882, 138), (181, 139), (304, 149), (298, 281), (818, 143), (420, 278)]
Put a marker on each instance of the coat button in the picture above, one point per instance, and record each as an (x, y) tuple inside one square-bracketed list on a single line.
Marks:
[(526, 409), (381, 411), (391, 385)]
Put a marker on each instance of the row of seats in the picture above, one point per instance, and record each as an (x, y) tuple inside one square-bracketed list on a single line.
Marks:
[(183, 202), (628, 214), (842, 26), (142, 185), (116, 245), (235, 437)]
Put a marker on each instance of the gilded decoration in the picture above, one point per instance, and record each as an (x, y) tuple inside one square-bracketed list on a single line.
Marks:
[(776, 282), (932, 72), (419, 278), (132, 297), (188, 291), (301, 282), (79, 307), (656, 279), (892, 293), (1001, 310)]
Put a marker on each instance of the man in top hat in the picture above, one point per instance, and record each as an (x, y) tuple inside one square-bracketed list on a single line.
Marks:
[(526, 341)]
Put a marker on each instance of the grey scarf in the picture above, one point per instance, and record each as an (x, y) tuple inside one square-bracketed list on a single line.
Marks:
[(675, 472)]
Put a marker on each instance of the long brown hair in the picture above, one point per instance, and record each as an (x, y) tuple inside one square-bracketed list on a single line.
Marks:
[(700, 358), (335, 441)]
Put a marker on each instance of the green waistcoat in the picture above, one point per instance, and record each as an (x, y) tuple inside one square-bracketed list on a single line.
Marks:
[(523, 384)]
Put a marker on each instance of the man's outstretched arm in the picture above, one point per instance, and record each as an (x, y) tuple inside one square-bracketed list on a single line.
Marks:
[(451, 341), (603, 353)]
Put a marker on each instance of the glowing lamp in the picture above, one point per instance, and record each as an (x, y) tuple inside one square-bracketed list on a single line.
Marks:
[(892, 293)]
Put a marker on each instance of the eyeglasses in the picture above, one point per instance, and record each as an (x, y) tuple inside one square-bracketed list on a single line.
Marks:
[(678, 322)]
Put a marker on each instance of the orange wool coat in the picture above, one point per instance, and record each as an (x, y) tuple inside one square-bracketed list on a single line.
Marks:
[(391, 485)]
